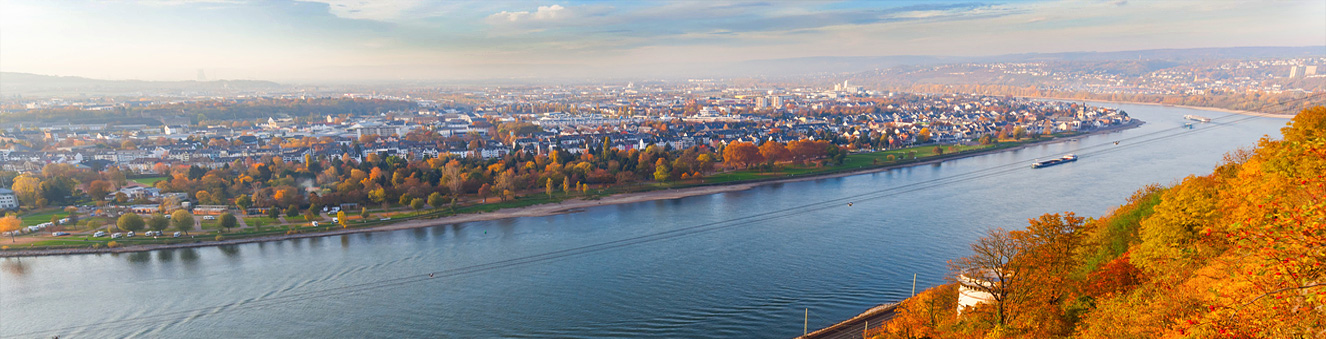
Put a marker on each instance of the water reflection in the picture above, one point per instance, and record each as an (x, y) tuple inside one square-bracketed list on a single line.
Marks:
[(14, 266), (166, 255), (231, 251), (140, 257), (189, 255)]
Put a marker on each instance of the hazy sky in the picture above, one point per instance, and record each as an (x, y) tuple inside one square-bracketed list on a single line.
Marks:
[(417, 39)]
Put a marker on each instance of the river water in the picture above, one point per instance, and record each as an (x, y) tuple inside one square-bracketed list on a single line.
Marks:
[(750, 278)]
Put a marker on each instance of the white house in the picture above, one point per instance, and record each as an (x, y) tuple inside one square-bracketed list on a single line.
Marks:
[(8, 201)]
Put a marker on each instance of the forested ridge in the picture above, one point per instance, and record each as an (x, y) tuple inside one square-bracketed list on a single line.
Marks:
[(1237, 253), (219, 111)]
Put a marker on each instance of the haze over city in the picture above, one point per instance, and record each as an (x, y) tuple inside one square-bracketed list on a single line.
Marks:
[(353, 40)]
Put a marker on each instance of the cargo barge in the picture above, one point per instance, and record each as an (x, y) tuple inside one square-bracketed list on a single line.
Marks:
[(1048, 163)]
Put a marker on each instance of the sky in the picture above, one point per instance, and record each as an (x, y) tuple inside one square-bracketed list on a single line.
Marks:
[(354, 40)]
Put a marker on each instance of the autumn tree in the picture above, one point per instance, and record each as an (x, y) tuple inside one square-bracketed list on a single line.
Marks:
[(923, 136), (158, 222), (417, 203), (455, 182), (182, 220), (130, 222), (505, 183), (989, 269), (741, 153), (243, 202), (28, 189), (435, 200), (99, 189), (928, 314), (378, 195), (774, 151), (803, 150), (484, 191), (1046, 260), (11, 224), (661, 170), (228, 221), (340, 219)]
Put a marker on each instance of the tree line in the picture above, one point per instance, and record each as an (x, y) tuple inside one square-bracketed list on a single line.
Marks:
[(370, 178)]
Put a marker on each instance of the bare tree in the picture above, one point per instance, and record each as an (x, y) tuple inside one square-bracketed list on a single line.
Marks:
[(989, 269)]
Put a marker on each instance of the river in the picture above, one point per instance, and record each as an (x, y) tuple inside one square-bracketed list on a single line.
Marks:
[(750, 279)]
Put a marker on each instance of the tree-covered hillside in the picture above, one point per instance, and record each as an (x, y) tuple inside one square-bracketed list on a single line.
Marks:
[(1237, 253)]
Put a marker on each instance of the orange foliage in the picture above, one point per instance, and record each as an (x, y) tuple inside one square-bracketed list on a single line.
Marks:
[(1237, 254)]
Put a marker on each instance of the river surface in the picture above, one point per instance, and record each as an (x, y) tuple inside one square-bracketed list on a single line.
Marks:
[(750, 278)]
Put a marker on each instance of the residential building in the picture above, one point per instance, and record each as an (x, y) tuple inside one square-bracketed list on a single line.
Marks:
[(8, 200)]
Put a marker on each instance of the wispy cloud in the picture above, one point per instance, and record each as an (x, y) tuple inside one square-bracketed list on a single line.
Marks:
[(269, 37)]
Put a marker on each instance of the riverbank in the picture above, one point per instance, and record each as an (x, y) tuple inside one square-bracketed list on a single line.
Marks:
[(562, 207)]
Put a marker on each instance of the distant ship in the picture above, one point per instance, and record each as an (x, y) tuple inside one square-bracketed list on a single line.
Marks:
[(1197, 118), (1048, 163)]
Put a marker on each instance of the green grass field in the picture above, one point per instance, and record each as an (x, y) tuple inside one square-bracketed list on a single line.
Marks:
[(851, 162), (41, 217), (210, 224), (261, 221), (148, 181)]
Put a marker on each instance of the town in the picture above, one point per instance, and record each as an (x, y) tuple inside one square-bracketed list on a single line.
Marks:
[(426, 148)]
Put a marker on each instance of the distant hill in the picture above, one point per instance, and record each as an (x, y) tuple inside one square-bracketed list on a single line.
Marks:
[(830, 64), (36, 84)]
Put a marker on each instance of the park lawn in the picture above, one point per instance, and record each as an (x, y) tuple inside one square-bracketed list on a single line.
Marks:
[(245, 233), (41, 217), (922, 152), (407, 214), (148, 181), (852, 161), (83, 222), (262, 221), (210, 224), (741, 175)]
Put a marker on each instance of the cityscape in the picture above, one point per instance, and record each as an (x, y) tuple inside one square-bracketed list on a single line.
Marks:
[(671, 169)]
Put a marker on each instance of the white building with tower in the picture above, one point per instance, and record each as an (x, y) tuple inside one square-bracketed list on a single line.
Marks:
[(974, 287)]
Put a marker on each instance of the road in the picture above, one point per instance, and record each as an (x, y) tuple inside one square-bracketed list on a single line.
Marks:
[(855, 327)]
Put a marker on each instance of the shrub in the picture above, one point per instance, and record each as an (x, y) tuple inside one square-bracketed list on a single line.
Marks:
[(220, 237), (112, 244)]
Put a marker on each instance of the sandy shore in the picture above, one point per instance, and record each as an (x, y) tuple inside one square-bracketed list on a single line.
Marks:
[(566, 206)]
